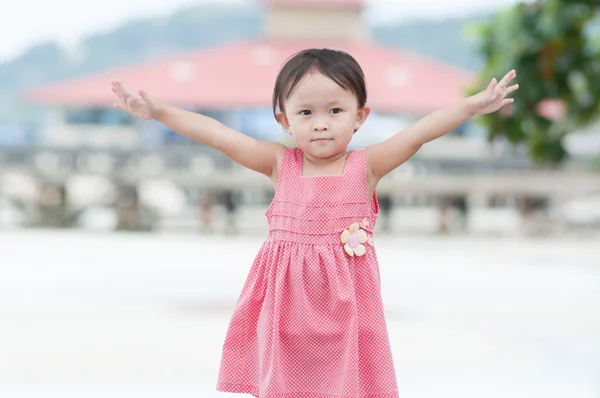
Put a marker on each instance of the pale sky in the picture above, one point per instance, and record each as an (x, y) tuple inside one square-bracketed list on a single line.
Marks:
[(27, 22)]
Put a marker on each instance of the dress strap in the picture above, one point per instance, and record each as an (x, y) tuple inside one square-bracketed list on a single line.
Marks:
[(289, 170), (289, 164), (356, 175), (356, 168)]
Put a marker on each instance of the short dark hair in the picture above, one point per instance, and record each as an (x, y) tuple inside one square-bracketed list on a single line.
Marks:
[(337, 65)]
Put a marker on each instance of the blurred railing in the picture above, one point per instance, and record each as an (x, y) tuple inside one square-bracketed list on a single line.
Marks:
[(209, 179)]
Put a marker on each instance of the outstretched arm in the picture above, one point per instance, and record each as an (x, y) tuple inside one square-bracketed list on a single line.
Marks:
[(391, 153), (254, 154)]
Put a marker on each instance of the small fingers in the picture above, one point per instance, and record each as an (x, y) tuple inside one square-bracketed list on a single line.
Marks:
[(144, 95), (120, 106), (121, 90), (507, 79), (118, 90), (125, 90), (130, 103), (511, 89)]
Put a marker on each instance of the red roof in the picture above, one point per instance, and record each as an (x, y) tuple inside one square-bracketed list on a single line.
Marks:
[(242, 75), (320, 3)]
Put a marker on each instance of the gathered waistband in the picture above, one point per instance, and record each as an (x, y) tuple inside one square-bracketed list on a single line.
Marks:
[(279, 235)]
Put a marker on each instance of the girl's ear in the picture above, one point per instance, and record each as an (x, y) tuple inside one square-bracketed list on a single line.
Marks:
[(283, 121), (361, 116)]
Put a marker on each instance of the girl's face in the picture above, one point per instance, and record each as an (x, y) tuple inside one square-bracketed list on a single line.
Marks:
[(322, 116)]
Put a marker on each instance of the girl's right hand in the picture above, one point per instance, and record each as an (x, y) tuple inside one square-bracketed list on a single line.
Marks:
[(140, 105)]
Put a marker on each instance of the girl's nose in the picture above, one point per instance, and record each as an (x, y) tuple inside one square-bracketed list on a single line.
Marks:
[(320, 126)]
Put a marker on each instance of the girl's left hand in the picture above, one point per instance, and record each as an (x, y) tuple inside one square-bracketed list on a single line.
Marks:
[(494, 96)]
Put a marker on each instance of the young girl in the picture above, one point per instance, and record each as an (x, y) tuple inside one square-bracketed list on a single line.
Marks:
[(309, 322)]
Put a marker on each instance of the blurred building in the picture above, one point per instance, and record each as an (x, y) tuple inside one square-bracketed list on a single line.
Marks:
[(233, 83)]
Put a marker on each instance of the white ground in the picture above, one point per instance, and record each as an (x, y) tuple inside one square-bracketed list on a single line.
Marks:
[(118, 315)]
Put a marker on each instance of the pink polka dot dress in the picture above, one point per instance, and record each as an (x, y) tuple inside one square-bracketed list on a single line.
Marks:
[(309, 322)]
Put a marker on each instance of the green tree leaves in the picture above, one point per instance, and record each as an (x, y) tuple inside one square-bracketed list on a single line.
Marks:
[(558, 71)]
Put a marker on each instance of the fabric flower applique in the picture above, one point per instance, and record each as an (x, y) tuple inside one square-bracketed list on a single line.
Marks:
[(355, 237)]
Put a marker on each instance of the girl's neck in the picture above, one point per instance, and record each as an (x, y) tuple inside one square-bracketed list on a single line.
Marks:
[(332, 166)]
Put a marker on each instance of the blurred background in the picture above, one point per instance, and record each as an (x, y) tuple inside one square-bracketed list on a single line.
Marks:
[(124, 246)]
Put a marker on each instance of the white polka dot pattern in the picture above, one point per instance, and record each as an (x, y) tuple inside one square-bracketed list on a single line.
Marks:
[(309, 322)]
